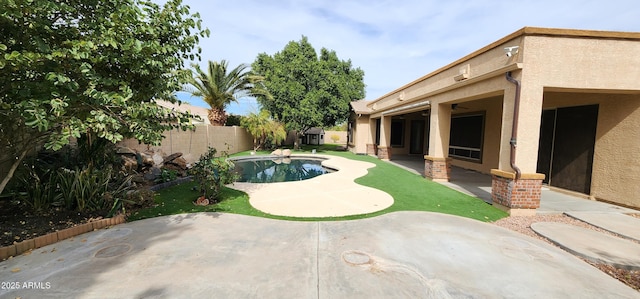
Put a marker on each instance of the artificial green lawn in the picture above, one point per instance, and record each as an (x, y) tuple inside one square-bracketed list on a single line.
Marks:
[(411, 192)]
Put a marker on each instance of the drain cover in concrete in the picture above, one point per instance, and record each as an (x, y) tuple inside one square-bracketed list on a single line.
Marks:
[(592, 245)]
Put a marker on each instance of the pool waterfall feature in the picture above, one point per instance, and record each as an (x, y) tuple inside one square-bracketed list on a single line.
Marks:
[(274, 169)]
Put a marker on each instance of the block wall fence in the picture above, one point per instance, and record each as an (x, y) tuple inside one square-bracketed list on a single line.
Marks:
[(192, 144)]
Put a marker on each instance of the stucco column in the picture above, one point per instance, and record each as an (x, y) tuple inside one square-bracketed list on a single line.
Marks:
[(372, 147), (437, 165), (519, 196), (384, 148)]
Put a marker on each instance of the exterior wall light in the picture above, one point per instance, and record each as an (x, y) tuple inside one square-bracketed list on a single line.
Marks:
[(510, 51)]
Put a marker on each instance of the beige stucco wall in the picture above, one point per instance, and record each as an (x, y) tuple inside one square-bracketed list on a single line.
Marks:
[(493, 123), (557, 68), (192, 144), (581, 63), (616, 162), (361, 135)]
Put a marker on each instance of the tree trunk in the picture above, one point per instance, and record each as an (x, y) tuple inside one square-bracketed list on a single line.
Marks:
[(12, 170), (217, 117), (296, 144)]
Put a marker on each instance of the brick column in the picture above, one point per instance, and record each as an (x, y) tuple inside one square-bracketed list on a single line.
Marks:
[(517, 197), (372, 149), (384, 152), (437, 169)]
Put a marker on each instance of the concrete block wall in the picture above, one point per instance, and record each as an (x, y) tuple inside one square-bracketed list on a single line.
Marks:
[(342, 134), (192, 144)]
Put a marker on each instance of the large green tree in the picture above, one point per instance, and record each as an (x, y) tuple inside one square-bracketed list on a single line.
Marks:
[(308, 90), (90, 69), (219, 86)]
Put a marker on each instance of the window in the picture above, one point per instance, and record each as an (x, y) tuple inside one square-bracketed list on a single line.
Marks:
[(397, 133), (467, 136)]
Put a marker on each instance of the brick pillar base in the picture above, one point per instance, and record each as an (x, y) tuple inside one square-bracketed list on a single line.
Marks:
[(384, 153), (372, 149), (517, 197), (437, 169)]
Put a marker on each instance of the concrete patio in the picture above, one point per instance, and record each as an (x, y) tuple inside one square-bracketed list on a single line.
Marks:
[(479, 185), (212, 255)]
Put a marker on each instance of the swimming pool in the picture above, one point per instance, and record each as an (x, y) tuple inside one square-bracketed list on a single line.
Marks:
[(273, 169)]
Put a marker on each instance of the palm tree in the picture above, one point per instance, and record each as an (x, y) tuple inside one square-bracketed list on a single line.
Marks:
[(263, 129), (219, 88)]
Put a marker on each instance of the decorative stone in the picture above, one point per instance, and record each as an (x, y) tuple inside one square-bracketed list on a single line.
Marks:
[(123, 150), (137, 178), (156, 171), (157, 159), (202, 201), (286, 152), (130, 164), (146, 159), (277, 152), (180, 162), (149, 176), (172, 157)]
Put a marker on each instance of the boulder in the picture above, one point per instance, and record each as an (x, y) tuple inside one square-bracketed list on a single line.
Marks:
[(286, 152), (139, 178), (277, 152), (157, 159), (123, 150), (201, 201), (129, 164), (150, 176), (180, 162), (172, 157), (147, 160)]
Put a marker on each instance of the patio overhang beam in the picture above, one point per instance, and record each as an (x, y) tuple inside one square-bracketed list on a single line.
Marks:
[(407, 108)]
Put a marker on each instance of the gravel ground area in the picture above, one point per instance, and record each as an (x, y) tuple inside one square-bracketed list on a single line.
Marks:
[(523, 225)]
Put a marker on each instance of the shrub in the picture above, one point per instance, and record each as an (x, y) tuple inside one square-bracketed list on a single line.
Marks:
[(211, 173), (90, 189), (40, 190), (167, 175), (335, 138)]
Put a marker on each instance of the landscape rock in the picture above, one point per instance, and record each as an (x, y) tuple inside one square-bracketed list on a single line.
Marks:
[(139, 178), (201, 201), (172, 157), (286, 152), (123, 150), (277, 152), (130, 164), (147, 160), (157, 159), (149, 176), (181, 163)]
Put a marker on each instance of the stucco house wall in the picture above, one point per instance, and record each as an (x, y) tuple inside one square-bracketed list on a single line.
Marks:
[(616, 171), (556, 68)]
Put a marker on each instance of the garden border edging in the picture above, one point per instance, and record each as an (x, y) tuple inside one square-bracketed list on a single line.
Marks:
[(54, 237)]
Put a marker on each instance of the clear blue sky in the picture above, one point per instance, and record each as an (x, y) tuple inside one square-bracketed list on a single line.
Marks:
[(394, 42)]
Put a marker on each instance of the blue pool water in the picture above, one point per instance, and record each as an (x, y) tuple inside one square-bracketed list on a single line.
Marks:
[(271, 169)]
